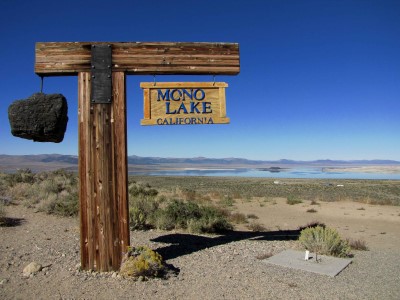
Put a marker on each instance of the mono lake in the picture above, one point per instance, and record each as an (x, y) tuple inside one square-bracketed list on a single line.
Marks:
[(306, 173)]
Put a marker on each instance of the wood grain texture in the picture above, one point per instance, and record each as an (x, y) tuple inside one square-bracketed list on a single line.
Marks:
[(103, 177), (69, 58), (120, 159)]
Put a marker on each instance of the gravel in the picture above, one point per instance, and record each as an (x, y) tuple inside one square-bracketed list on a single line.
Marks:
[(208, 267)]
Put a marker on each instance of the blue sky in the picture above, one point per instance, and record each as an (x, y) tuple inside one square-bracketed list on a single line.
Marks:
[(319, 79)]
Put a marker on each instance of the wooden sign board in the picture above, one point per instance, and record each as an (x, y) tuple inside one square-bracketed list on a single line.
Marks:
[(184, 103)]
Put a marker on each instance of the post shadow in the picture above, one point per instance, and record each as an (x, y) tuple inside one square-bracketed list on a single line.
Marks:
[(183, 244), (12, 222)]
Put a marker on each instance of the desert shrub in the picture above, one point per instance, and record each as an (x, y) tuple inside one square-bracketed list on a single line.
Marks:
[(180, 212), (148, 211), (3, 183), (23, 191), (311, 210), (136, 189), (163, 221), (215, 194), (62, 204), (142, 210), (142, 261), (366, 191), (143, 205), (213, 221), (292, 200), (2, 213), (195, 218), (21, 176), (238, 218), (256, 227), (252, 216), (248, 198), (226, 200), (357, 244), (53, 192), (206, 198), (311, 225), (189, 194), (324, 241), (57, 193), (236, 195)]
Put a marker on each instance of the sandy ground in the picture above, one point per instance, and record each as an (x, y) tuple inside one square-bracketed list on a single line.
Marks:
[(378, 225), (208, 267)]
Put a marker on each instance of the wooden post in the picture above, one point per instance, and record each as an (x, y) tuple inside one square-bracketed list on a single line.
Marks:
[(103, 175)]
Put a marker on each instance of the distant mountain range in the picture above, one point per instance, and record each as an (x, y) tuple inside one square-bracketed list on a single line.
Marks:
[(42, 162), (242, 161)]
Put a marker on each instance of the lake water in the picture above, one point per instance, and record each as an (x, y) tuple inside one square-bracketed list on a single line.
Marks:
[(312, 173)]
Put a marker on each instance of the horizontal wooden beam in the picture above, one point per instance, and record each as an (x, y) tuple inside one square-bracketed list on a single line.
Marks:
[(70, 58)]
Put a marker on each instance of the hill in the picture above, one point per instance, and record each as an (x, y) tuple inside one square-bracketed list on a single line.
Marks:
[(47, 162)]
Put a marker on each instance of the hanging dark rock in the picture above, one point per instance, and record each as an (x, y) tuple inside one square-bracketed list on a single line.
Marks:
[(41, 117)]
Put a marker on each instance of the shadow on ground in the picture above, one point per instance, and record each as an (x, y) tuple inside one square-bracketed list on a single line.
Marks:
[(183, 244), (12, 222)]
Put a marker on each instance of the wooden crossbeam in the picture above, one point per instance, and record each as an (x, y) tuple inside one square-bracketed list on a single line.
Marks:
[(70, 58)]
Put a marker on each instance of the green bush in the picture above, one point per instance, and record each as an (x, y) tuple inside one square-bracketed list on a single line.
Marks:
[(292, 200), (136, 189), (21, 176), (144, 206), (227, 200), (62, 204), (325, 241), (180, 212), (195, 218)]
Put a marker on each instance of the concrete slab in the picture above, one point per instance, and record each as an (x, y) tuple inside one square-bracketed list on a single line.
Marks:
[(326, 265)]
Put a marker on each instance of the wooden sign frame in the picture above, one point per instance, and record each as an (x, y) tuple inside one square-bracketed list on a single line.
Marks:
[(184, 103), (103, 176)]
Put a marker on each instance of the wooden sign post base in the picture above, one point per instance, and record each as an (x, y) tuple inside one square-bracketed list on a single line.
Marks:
[(103, 177)]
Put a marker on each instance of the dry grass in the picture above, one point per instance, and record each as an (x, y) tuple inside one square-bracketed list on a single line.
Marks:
[(357, 244), (238, 218), (256, 227), (252, 216)]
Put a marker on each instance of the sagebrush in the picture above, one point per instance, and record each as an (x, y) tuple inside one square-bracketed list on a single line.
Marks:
[(324, 240), (142, 261), (148, 210), (52, 192)]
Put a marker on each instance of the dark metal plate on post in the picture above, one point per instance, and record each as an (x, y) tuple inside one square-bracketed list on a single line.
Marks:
[(101, 80)]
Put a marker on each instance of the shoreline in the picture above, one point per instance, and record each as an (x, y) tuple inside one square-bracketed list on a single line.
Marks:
[(364, 169)]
